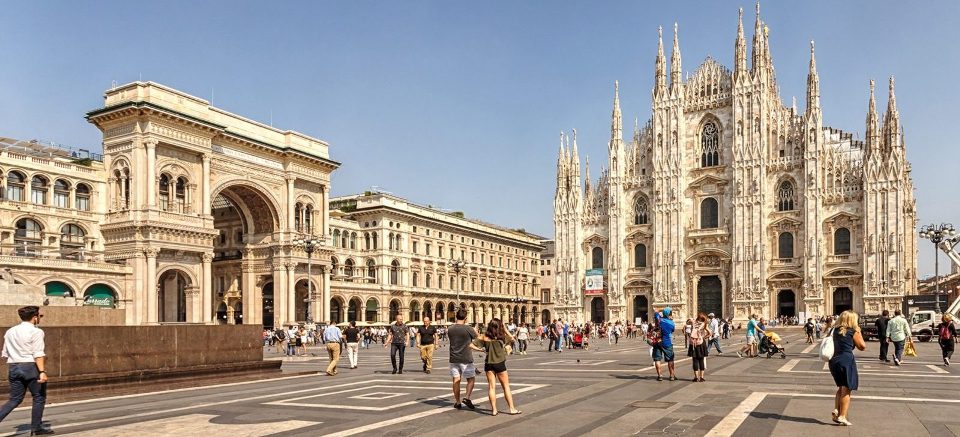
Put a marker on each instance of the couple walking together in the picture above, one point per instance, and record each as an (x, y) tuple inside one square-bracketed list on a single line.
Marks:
[(495, 343)]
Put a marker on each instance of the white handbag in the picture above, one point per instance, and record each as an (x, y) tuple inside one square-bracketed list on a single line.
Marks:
[(826, 347)]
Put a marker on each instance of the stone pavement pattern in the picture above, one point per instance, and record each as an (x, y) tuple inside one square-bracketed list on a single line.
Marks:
[(611, 391)]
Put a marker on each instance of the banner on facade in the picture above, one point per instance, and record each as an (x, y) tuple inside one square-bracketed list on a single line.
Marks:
[(594, 282)]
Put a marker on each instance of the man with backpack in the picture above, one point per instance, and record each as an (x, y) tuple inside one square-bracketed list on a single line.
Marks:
[(947, 334)]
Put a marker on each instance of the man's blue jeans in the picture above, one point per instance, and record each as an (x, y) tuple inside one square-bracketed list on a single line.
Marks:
[(291, 348), (898, 349), (715, 342), (24, 376), (559, 343)]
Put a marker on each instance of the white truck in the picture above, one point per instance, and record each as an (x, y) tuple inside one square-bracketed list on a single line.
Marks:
[(924, 322)]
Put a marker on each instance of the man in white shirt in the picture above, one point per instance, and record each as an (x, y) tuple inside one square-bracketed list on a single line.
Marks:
[(23, 348), (715, 337)]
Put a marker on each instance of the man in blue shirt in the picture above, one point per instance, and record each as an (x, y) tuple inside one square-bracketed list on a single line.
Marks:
[(331, 339), (666, 330), (751, 347)]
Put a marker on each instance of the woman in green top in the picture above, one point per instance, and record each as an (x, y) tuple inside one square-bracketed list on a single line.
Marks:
[(494, 342)]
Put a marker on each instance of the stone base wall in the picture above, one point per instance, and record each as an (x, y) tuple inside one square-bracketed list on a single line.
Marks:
[(67, 316), (104, 352)]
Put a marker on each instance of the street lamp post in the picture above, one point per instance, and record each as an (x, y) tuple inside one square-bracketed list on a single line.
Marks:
[(944, 233), (457, 265), (309, 244)]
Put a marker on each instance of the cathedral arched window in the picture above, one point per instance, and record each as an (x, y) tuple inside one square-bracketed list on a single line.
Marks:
[(181, 194), (297, 212), (709, 145), (16, 186), (640, 255), (641, 211), (841, 241), (336, 237), (82, 197), (785, 245), (308, 219), (597, 258), (28, 237), (38, 190), (709, 214), (348, 267), (785, 196)]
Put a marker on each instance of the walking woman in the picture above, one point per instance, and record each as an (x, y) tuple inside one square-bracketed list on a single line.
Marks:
[(523, 334), (697, 348), (843, 366), (947, 333), (494, 343)]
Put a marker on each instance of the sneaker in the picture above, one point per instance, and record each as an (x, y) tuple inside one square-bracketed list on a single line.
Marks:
[(946, 361), (659, 378), (834, 416), (469, 404), (896, 362), (843, 421), (739, 354)]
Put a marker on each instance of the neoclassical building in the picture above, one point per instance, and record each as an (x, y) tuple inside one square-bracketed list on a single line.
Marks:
[(392, 256), (192, 214), (729, 201)]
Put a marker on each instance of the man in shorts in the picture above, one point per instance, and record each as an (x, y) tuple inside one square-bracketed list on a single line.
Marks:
[(461, 358), (666, 344), (751, 347)]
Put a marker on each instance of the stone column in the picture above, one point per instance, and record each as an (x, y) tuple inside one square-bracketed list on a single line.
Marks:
[(324, 199), (135, 314), (323, 306), (206, 290), (249, 284), (151, 146), (291, 293), (279, 293), (150, 283), (290, 205), (205, 186)]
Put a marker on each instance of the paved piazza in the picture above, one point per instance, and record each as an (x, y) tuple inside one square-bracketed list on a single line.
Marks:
[(609, 390)]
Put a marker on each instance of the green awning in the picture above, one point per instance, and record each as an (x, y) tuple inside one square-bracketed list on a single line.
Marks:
[(99, 295), (57, 288)]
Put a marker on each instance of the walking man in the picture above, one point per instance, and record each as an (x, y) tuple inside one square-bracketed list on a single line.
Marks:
[(331, 339), (881, 324), (715, 334), (751, 347), (426, 342), (461, 358), (352, 335), (26, 366), (898, 332), (397, 337)]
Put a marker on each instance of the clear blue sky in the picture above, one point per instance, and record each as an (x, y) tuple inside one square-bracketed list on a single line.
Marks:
[(460, 104)]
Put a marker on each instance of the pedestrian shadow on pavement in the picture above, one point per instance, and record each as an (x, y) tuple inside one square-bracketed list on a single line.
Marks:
[(778, 416), (635, 377)]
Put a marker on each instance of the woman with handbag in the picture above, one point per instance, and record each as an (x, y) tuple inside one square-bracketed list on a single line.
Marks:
[(843, 366), (495, 343)]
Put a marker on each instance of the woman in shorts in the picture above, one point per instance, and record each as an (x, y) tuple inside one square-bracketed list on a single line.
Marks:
[(494, 343)]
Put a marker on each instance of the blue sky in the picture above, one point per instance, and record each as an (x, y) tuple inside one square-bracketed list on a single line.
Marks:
[(460, 104)]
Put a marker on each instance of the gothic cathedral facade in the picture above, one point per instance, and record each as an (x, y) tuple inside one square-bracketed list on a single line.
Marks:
[(727, 201)]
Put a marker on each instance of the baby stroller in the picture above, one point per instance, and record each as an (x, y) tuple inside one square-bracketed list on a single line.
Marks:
[(578, 340), (770, 345)]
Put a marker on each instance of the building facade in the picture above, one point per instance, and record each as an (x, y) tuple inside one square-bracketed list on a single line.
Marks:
[(392, 256), (729, 201), (548, 279), (191, 215)]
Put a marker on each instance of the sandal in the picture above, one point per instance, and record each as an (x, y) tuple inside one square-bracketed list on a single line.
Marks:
[(494, 413), (516, 413)]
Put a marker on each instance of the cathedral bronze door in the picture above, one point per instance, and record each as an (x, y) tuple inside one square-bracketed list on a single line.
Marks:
[(710, 295), (640, 308), (596, 310), (842, 300), (786, 303)]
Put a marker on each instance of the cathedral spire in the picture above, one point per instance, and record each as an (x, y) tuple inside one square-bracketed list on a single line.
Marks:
[(616, 122), (758, 36), (661, 75), (891, 120), (813, 84), (636, 130), (873, 131), (561, 168), (586, 179), (740, 49), (675, 68), (576, 157)]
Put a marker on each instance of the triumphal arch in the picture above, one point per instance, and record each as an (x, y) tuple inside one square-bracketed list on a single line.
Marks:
[(207, 207)]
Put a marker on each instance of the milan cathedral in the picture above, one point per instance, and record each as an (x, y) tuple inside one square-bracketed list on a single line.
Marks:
[(727, 201)]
